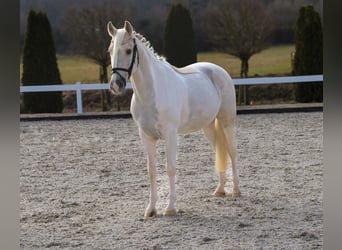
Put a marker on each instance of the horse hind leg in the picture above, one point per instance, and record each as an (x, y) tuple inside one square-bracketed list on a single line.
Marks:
[(224, 133), (209, 132), (232, 152)]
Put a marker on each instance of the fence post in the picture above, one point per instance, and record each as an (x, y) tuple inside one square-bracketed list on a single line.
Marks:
[(79, 98)]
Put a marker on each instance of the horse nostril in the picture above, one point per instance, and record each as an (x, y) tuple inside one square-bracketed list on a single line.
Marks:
[(121, 83), (114, 87), (118, 80)]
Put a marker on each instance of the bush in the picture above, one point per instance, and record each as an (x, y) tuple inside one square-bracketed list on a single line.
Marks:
[(40, 66), (179, 38), (308, 59)]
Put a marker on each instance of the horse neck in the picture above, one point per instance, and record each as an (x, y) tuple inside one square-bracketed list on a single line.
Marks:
[(143, 77)]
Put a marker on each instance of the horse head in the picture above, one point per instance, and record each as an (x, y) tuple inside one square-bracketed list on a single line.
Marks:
[(124, 55)]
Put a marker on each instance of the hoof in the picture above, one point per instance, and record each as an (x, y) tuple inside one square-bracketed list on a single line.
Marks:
[(219, 194), (236, 194), (170, 212), (149, 214)]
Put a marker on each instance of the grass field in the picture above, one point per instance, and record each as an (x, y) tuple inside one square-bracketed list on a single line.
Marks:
[(78, 69), (273, 61)]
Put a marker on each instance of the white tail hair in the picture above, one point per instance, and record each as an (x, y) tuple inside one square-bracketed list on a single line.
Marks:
[(221, 148)]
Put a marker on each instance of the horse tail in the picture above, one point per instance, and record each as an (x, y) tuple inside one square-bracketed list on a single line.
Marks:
[(221, 148)]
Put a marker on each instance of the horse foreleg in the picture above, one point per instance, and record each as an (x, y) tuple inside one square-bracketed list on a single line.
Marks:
[(171, 149), (150, 145)]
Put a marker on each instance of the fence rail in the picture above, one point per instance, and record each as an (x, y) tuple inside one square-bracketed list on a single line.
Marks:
[(78, 87)]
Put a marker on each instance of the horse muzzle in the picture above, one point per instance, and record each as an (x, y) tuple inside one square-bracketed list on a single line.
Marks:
[(118, 85)]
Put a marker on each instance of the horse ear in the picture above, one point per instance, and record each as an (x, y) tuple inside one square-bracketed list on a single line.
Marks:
[(128, 27), (111, 29)]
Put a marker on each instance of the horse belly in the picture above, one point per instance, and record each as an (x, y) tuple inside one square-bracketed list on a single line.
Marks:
[(202, 107), (197, 123)]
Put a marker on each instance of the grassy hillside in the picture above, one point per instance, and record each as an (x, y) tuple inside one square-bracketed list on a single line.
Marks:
[(78, 69), (273, 61)]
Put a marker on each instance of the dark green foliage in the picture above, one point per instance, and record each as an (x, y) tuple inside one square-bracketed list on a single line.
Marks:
[(179, 38), (40, 66), (308, 59)]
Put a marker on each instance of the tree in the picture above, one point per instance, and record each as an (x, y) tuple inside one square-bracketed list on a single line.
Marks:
[(86, 30), (285, 14), (179, 38), (40, 66), (308, 59), (240, 28)]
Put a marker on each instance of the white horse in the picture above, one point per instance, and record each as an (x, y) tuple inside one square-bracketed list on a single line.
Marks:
[(168, 100)]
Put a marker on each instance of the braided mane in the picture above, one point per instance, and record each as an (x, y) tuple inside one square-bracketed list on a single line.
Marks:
[(148, 45)]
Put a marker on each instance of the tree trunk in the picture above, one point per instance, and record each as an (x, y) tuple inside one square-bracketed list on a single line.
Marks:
[(247, 86), (105, 99), (243, 90)]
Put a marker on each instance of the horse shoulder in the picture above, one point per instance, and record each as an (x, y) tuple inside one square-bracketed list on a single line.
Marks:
[(147, 121)]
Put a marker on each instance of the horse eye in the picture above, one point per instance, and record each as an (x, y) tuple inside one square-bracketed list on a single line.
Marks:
[(129, 51)]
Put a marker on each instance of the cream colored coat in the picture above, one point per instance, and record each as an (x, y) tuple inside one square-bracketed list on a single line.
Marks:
[(168, 100)]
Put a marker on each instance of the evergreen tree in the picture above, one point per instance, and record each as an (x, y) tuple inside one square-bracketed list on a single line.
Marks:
[(40, 66), (308, 59), (179, 37)]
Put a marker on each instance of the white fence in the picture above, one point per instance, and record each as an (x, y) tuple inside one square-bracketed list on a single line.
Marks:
[(78, 87)]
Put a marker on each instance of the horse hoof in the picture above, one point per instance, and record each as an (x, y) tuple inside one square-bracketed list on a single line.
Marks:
[(236, 194), (219, 193), (170, 212), (152, 213)]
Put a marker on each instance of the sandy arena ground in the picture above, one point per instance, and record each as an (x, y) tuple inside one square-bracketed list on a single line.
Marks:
[(84, 185)]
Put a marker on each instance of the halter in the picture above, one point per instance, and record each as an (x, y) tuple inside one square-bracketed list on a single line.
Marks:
[(130, 68)]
